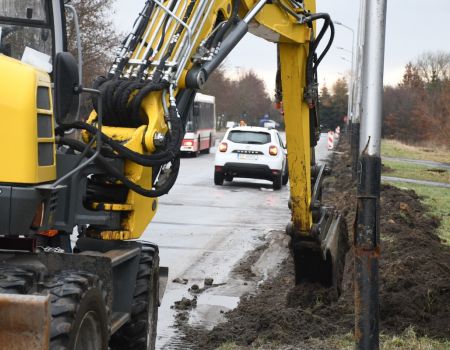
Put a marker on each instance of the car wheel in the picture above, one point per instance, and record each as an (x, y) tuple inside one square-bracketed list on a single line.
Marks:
[(218, 178), (285, 176), (277, 182), (229, 178)]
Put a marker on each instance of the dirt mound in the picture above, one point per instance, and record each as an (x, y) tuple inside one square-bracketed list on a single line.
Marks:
[(414, 280)]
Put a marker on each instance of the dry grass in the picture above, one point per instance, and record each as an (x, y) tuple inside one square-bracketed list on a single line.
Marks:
[(408, 340), (391, 148)]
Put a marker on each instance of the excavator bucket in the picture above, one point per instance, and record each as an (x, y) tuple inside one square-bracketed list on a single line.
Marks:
[(321, 257), (24, 322)]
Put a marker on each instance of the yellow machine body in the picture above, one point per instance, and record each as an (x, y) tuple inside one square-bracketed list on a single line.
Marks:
[(273, 24), (140, 210), (27, 142)]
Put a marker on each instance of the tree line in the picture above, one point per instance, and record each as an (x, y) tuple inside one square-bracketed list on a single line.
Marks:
[(417, 110), (333, 105), (244, 98)]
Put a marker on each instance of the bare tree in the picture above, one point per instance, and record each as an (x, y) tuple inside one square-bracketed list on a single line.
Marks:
[(417, 110), (245, 98), (98, 36), (434, 66)]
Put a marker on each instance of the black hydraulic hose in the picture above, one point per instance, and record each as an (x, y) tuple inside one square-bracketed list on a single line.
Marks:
[(158, 72), (144, 160), (136, 102), (328, 23), (158, 47), (103, 163), (312, 60), (226, 27), (315, 17), (328, 46), (122, 62), (156, 159)]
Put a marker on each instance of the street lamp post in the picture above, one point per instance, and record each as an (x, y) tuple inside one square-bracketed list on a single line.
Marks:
[(367, 223), (352, 80)]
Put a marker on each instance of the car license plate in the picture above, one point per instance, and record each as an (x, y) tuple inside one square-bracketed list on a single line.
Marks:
[(247, 156)]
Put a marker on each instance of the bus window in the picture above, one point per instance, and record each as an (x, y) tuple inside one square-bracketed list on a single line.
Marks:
[(200, 125), (190, 126)]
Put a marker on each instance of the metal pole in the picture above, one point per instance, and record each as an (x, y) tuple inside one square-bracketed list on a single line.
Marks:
[(357, 105), (353, 75), (366, 241)]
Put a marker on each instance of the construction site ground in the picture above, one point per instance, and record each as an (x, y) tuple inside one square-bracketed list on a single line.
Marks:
[(414, 286)]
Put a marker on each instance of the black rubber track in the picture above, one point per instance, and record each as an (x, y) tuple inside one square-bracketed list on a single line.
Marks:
[(144, 314)]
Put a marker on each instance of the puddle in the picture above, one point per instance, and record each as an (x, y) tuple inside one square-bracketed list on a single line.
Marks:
[(210, 310)]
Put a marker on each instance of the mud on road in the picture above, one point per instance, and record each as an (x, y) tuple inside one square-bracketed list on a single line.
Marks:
[(414, 281)]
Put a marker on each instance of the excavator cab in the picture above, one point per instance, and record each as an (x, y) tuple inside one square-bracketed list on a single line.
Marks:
[(33, 31), (32, 39)]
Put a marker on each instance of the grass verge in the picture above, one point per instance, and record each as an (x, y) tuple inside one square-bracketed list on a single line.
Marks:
[(437, 200), (408, 340), (412, 171), (391, 148)]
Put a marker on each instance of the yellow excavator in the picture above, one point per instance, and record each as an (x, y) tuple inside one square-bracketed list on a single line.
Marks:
[(102, 289)]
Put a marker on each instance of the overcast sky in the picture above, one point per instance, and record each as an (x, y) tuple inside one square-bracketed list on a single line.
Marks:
[(413, 27)]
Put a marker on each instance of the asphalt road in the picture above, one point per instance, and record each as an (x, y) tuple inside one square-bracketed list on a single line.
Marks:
[(203, 230)]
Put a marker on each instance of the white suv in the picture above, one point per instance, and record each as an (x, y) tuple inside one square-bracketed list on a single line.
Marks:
[(251, 152)]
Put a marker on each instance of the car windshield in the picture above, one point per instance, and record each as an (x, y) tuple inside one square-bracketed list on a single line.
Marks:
[(249, 137), (24, 24)]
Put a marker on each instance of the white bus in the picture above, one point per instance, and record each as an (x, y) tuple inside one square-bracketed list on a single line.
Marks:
[(200, 125)]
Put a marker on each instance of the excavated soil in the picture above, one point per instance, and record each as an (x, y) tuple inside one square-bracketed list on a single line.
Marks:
[(414, 281)]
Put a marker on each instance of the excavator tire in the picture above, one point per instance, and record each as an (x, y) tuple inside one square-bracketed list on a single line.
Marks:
[(14, 280), (79, 311), (140, 332)]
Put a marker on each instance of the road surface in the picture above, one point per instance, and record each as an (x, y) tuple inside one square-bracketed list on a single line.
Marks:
[(203, 230)]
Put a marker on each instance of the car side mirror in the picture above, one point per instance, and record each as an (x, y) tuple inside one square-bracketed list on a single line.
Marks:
[(67, 88)]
